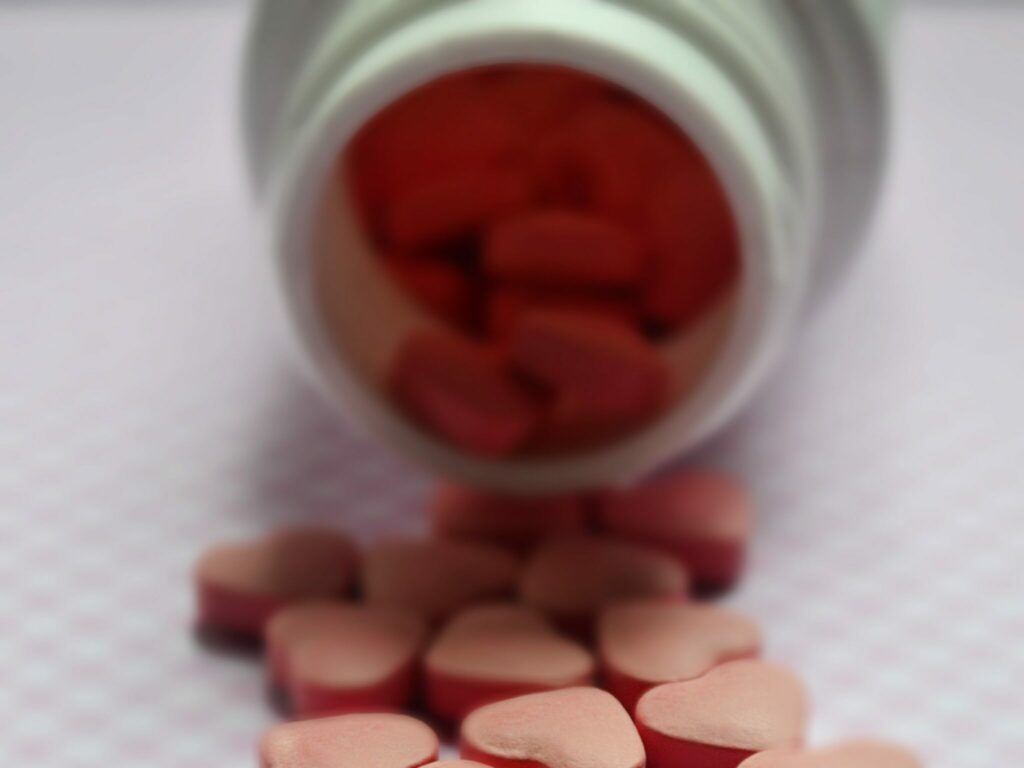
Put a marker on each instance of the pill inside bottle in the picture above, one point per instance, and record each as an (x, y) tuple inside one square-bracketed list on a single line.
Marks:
[(546, 264)]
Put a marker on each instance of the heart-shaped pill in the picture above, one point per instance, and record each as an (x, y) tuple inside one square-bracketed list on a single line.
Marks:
[(856, 755), (704, 518), (436, 578), (722, 718), (572, 579), (558, 729), (514, 522), (497, 652), (241, 585), (380, 740), (352, 657), (644, 643)]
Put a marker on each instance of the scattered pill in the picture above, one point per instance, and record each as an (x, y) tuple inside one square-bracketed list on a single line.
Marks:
[(463, 393), (856, 755), (497, 652), (573, 578), (357, 658), (517, 523), (644, 643), (569, 728), (565, 249), (436, 579), (601, 364), (452, 207), (722, 718), (380, 740), (240, 586), (438, 288), (704, 518), (290, 625)]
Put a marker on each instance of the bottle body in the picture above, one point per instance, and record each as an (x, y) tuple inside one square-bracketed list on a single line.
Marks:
[(786, 99)]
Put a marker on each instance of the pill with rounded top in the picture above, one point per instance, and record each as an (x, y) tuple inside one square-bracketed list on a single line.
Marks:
[(704, 518), (291, 624), (599, 363), (463, 393), (241, 585), (566, 249), (507, 305), (517, 523), (558, 729), (379, 740), (451, 207), (695, 251), (439, 288), (644, 643), (357, 657), (865, 754), (499, 651), (722, 718), (573, 578), (436, 579)]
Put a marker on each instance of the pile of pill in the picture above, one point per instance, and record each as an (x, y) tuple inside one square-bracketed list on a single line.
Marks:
[(555, 632), (558, 230)]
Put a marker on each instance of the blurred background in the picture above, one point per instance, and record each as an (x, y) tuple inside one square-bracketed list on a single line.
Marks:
[(149, 406)]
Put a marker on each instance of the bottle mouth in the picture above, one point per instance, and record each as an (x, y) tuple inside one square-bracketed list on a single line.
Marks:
[(352, 316)]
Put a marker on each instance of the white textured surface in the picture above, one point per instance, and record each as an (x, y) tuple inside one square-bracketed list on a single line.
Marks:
[(146, 408)]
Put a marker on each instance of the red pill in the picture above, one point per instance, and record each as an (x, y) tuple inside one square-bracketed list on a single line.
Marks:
[(517, 523), (597, 363), (609, 158), (540, 98), (559, 729), (704, 518), (724, 717), (436, 579), (241, 585), (456, 764), (856, 755), (462, 393), (497, 652), (507, 306), (379, 740), (573, 579), (644, 643), (695, 252), (569, 424), (446, 128), (440, 289), (564, 249), (364, 659), (452, 207)]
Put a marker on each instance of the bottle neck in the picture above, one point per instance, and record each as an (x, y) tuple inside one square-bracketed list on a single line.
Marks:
[(716, 85)]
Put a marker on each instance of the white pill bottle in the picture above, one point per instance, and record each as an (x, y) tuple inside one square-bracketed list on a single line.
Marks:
[(787, 99)]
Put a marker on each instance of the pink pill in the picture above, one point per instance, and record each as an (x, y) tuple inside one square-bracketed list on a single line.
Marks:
[(724, 717), (572, 579), (290, 625), (559, 729), (857, 755), (498, 652), (241, 585), (703, 518), (463, 393), (518, 523), (350, 741), (562, 249), (357, 657), (436, 579), (601, 364), (644, 643)]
